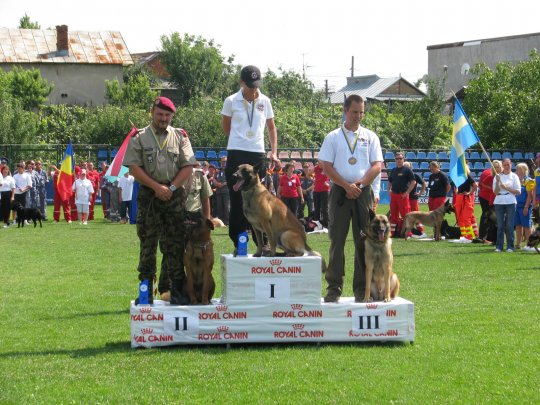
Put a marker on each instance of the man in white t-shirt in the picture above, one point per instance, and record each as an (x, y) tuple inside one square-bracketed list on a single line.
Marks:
[(83, 193), (245, 115), (351, 157), (125, 184)]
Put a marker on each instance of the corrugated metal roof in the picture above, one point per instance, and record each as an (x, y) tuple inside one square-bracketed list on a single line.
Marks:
[(39, 46), (369, 87)]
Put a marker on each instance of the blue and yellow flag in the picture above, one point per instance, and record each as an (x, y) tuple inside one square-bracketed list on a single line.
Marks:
[(463, 137)]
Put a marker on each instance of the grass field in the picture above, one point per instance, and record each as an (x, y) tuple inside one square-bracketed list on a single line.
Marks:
[(65, 337)]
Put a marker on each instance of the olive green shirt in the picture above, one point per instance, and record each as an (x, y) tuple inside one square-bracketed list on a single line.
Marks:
[(161, 156), (200, 189)]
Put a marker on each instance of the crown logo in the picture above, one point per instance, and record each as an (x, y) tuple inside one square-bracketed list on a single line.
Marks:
[(222, 308), (297, 326), (371, 306), (146, 310), (296, 307), (275, 262), (223, 328), (147, 331)]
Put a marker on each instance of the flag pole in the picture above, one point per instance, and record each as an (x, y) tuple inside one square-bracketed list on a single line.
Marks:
[(467, 118)]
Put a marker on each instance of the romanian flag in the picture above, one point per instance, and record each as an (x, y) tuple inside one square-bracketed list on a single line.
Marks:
[(66, 174), (116, 169), (463, 137)]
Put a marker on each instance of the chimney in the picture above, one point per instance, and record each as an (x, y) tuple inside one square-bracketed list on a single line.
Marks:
[(62, 43)]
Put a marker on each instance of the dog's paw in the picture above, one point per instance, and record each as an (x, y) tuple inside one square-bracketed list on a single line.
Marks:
[(366, 301)]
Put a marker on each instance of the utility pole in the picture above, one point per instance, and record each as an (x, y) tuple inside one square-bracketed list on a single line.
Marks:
[(352, 66), (304, 67), (326, 88)]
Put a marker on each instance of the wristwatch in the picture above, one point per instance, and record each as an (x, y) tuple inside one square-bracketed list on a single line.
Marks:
[(172, 187)]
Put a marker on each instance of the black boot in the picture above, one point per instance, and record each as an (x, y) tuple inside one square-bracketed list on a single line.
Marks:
[(178, 296), (150, 293)]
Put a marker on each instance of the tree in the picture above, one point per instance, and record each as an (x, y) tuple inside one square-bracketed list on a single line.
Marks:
[(17, 126), (196, 65), (136, 91), (291, 87), (29, 87), (25, 23), (504, 104)]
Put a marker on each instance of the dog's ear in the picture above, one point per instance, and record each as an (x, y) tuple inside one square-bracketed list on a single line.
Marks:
[(257, 168), (371, 214)]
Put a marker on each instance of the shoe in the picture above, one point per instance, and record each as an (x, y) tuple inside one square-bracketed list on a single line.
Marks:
[(510, 250), (69, 222), (331, 298), (26, 222), (85, 223), (422, 236), (528, 249), (497, 250), (5, 226)]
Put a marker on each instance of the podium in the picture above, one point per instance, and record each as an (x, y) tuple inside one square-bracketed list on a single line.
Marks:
[(271, 300)]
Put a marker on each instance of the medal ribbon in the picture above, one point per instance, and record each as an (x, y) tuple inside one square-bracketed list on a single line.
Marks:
[(352, 147), (246, 105), (165, 143)]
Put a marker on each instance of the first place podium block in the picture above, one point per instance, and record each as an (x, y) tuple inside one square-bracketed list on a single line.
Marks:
[(271, 300)]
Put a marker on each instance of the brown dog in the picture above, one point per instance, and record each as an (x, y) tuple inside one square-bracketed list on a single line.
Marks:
[(199, 261), (534, 239), (381, 282), (268, 215), (432, 218)]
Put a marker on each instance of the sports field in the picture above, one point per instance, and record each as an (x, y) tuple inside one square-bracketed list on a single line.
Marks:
[(65, 337)]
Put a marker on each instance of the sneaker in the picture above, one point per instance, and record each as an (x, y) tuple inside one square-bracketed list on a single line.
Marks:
[(69, 222), (497, 250), (85, 223), (510, 250), (5, 226), (528, 249), (422, 236), (26, 222)]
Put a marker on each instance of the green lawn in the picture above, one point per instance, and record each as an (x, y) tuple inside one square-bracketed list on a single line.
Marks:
[(65, 331)]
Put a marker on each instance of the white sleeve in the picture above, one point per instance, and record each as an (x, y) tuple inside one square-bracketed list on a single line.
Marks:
[(227, 107)]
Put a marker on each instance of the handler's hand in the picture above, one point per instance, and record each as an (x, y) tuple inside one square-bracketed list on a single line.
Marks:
[(163, 193), (273, 160), (352, 191)]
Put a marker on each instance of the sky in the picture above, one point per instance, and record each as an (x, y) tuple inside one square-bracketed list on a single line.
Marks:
[(386, 37)]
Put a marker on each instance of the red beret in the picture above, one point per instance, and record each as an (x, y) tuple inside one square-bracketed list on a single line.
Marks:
[(165, 104)]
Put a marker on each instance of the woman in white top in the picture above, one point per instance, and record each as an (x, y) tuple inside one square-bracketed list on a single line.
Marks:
[(83, 193), (7, 193), (506, 187), (245, 115)]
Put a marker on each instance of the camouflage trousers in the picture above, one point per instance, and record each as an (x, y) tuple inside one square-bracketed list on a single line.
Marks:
[(161, 222)]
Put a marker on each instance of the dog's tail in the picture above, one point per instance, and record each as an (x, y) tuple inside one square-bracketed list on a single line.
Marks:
[(314, 253)]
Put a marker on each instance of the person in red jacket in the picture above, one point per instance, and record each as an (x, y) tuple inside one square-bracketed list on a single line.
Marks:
[(486, 196), (320, 195), (57, 200), (290, 189)]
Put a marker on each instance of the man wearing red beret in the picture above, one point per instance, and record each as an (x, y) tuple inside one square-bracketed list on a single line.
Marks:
[(161, 159)]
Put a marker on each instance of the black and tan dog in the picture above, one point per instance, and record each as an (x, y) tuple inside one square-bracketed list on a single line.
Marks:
[(382, 284), (199, 261), (26, 214), (432, 218), (268, 215), (534, 239)]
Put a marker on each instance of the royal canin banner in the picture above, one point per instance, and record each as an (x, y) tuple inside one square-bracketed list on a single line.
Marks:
[(162, 324), (267, 280)]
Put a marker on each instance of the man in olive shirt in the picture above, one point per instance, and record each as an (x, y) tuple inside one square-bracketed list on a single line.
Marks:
[(161, 159)]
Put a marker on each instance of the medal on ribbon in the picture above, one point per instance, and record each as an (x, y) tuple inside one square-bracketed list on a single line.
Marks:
[(250, 133), (161, 147), (352, 145)]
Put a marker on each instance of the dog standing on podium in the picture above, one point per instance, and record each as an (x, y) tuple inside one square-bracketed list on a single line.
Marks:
[(382, 284), (268, 215)]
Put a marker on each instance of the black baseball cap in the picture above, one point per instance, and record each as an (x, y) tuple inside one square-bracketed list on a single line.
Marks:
[(251, 76)]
